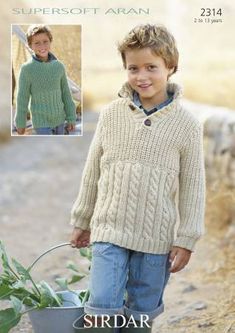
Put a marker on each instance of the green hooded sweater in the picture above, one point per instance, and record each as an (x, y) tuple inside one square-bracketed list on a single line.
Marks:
[(45, 85)]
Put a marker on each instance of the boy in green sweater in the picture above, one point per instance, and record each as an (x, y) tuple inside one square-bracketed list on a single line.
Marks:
[(43, 80), (145, 145)]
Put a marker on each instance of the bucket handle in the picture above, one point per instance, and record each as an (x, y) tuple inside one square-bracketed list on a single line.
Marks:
[(86, 296), (44, 253), (77, 321)]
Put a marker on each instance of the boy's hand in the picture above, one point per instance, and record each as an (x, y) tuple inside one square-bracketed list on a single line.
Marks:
[(80, 238), (71, 127), (20, 131), (179, 258)]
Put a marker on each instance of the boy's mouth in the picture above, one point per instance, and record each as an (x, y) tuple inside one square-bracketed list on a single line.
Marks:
[(144, 85), (43, 51)]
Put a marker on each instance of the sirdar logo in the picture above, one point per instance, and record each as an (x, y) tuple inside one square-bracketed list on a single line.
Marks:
[(119, 321)]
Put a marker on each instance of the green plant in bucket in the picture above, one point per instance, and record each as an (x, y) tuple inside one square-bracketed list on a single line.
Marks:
[(24, 294)]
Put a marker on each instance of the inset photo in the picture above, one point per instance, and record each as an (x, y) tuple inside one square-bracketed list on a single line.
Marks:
[(46, 80)]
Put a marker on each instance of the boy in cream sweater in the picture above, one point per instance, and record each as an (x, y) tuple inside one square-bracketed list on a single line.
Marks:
[(145, 144)]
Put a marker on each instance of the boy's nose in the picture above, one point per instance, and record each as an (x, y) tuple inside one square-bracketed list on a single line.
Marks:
[(142, 76)]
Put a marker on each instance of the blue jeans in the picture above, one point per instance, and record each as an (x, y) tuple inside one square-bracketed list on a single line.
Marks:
[(58, 130), (116, 270)]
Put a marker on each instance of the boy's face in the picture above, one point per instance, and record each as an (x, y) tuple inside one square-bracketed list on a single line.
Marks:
[(147, 74), (41, 44)]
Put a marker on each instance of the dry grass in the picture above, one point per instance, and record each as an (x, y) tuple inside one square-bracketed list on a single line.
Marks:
[(220, 224), (215, 88), (67, 47), (219, 270), (215, 270), (220, 207)]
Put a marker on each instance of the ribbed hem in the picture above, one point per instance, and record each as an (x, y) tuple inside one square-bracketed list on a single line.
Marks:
[(71, 122), (185, 242), (70, 113), (133, 242), (57, 119), (20, 120)]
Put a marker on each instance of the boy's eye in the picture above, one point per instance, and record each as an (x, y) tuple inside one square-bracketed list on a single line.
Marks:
[(132, 69), (152, 67)]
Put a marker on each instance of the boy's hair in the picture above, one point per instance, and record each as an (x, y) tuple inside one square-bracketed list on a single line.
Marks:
[(157, 38), (37, 29)]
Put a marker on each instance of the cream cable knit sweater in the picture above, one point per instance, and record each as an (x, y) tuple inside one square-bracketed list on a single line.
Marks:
[(129, 183)]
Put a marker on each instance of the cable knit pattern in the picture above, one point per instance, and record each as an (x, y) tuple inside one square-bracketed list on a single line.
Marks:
[(128, 188), (45, 83)]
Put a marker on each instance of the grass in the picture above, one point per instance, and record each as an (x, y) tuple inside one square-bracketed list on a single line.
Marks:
[(220, 207), (215, 88)]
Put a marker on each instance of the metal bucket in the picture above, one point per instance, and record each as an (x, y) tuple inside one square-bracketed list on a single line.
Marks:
[(78, 324), (58, 319)]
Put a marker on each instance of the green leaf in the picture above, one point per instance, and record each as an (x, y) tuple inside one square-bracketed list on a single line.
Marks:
[(16, 304), (45, 299), (18, 285), (62, 283), (30, 302), (72, 266), (8, 278), (5, 291), (84, 295), (48, 296), (8, 320), (24, 274), (86, 252), (5, 260), (76, 278), (22, 292)]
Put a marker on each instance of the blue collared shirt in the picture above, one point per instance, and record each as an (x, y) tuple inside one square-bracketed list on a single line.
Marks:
[(137, 102), (51, 57)]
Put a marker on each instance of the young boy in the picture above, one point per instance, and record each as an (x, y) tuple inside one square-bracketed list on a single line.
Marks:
[(43, 79), (145, 144)]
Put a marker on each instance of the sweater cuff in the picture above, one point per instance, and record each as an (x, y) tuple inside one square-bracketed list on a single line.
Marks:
[(81, 223), (185, 242), (71, 122), (20, 121)]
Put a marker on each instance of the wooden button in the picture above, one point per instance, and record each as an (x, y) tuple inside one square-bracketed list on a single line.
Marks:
[(132, 107)]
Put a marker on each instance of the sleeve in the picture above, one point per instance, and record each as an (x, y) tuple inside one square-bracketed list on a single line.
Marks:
[(70, 109), (84, 205), (23, 96), (192, 192)]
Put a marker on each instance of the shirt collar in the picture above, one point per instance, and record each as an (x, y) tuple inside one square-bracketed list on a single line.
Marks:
[(51, 57), (157, 107)]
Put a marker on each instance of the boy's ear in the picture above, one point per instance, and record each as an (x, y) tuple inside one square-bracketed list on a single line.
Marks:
[(171, 70)]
